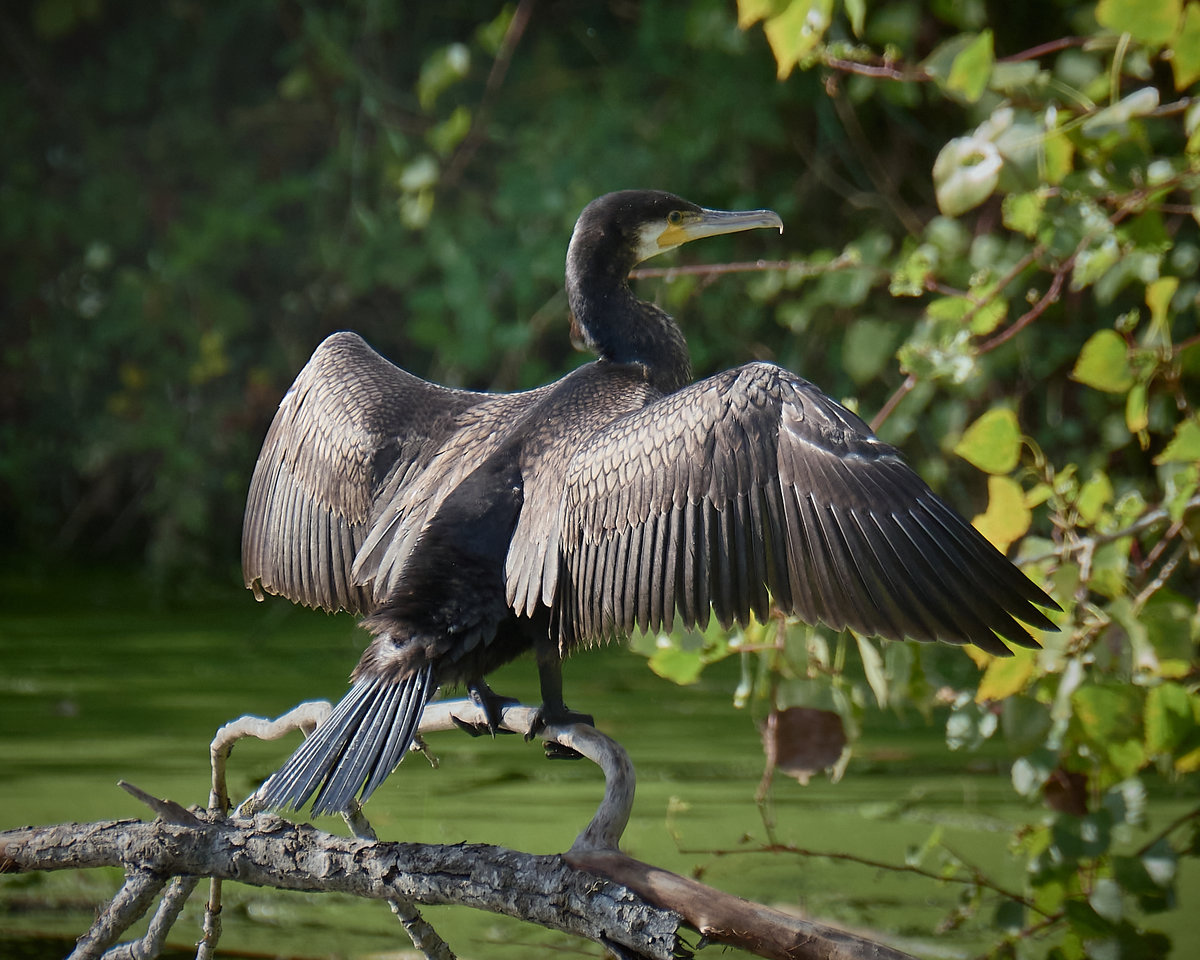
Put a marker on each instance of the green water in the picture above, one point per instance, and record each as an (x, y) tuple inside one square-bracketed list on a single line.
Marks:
[(98, 684)]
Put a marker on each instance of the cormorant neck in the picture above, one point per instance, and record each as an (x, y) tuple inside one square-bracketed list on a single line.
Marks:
[(622, 328)]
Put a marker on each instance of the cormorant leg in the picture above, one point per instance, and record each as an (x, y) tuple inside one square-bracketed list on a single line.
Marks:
[(492, 705), (553, 710)]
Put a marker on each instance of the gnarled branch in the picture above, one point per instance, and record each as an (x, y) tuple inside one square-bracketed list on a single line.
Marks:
[(593, 891)]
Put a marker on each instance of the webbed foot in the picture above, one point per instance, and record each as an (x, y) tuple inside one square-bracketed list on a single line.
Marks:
[(492, 705), (557, 715)]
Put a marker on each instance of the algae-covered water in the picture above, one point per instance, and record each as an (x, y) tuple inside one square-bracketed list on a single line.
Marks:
[(99, 683)]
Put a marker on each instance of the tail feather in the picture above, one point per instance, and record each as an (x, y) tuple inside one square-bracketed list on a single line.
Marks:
[(363, 739)]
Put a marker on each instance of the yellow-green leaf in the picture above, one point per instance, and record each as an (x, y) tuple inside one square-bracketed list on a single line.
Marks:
[(1153, 22), (1058, 157), (1108, 713), (972, 68), (1158, 299), (1103, 363), (1007, 517), (1184, 446), (795, 31), (1094, 496), (751, 11), (1023, 212), (1185, 57), (1006, 676), (1137, 413), (1169, 717), (993, 442)]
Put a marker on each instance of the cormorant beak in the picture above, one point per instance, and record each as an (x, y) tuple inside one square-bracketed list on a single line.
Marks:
[(683, 226)]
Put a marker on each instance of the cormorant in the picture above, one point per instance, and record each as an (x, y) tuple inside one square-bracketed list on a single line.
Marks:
[(469, 527)]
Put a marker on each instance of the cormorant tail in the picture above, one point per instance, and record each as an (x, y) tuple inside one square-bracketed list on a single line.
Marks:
[(359, 743)]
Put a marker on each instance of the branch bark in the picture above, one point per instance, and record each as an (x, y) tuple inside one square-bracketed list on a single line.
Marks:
[(594, 891)]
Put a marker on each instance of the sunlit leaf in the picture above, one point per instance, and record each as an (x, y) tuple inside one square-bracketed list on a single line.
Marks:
[(1137, 413), (1104, 363), (1007, 517), (1185, 55), (873, 666), (1094, 496), (794, 32), (993, 442), (965, 173), (1023, 212), (1105, 899), (1184, 446), (1006, 675), (972, 68), (1153, 22)]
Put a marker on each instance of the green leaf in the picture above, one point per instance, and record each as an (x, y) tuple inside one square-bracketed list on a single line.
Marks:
[(1169, 718), (993, 442), (868, 347), (972, 68), (1022, 212), (1137, 412), (1103, 363), (1094, 496), (1185, 57), (1153, 22), (678, 666), (1108, 713), (856, 12), (1184, 446)]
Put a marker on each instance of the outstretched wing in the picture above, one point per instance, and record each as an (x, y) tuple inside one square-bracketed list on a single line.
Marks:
[(754, 481), (351, 418)]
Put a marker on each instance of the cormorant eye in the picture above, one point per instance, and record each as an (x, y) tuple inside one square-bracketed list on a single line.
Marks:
[(675, 218)]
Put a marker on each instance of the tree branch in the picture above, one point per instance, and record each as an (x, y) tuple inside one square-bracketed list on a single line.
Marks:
[(593, 891)]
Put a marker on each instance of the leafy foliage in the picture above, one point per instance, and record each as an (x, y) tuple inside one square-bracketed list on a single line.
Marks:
[(992, 241)]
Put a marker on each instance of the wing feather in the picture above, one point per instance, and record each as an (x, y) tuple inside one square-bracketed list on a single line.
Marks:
[(350, 416), (751, 489)]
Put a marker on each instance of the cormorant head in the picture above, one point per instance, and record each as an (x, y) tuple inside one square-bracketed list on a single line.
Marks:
[(619, 230)]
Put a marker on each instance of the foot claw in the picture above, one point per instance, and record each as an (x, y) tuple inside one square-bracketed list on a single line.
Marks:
[(492, 705), (558, 716)]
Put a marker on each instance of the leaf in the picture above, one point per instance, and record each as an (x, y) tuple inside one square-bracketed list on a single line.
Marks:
[(1153, 22), (1094, 496), (802, 741), (993, 442), (679, 666), (972, 68), (873, 665), (1109, 712), (1169, 718), (1022, 212), (1006, 676), (1137, 413), (1007, 517), (965, 173), (794, 32), (1103, 363), (1184, 446), (1185, 57)]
